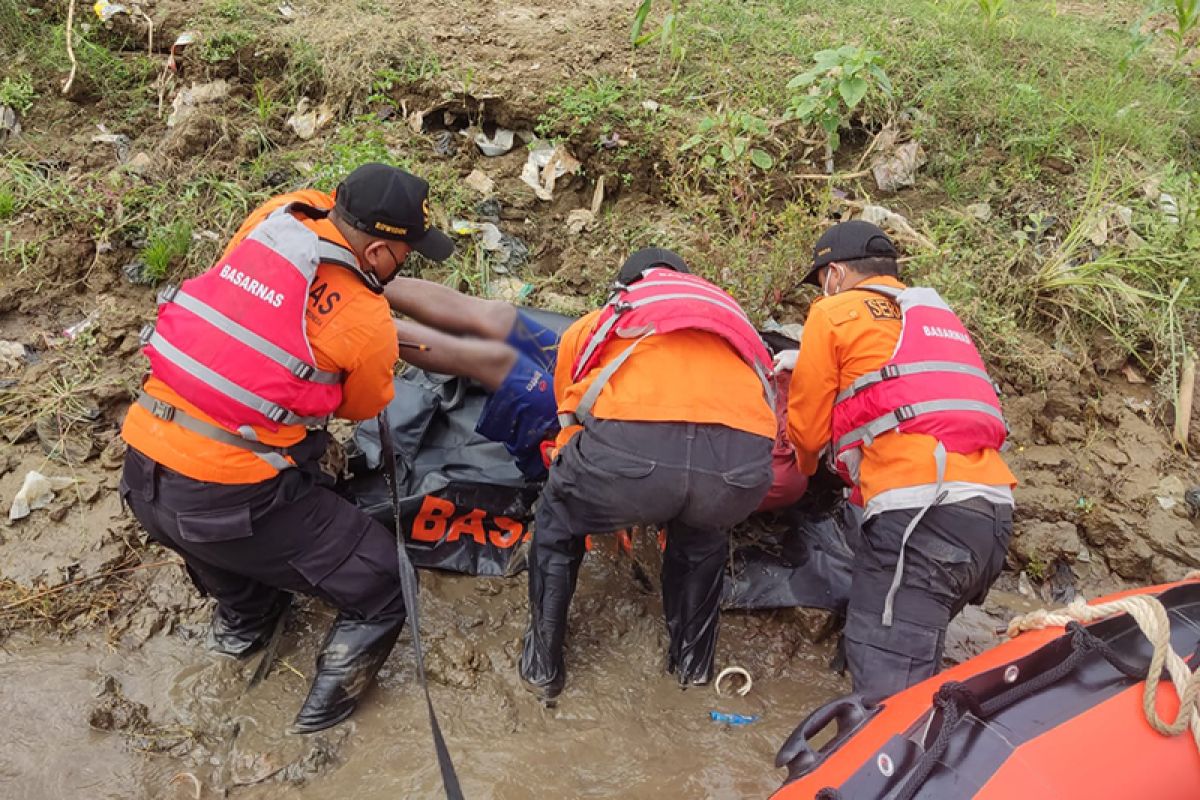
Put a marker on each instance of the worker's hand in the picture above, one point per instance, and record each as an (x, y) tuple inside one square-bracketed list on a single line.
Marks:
[(785, 360)]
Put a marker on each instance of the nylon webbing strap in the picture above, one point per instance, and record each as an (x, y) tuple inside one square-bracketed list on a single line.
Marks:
[(583, 411), (336, 254), (297, 366), (598, 338), (169, 413), (916, 368), (880, 425), (408, 586), (939, 457), (233, 391)]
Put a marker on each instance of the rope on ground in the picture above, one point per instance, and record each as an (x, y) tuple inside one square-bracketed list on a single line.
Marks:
[(1151, 617)]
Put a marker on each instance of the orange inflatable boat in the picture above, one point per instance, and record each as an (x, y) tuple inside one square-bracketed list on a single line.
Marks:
[(1054, 714)]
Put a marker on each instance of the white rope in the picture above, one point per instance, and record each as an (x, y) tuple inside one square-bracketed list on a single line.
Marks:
[(1152, 619)]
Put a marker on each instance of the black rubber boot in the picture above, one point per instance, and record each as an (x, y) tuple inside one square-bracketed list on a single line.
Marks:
[(349, 659), (691, 583), (243, 639), (552, 576)]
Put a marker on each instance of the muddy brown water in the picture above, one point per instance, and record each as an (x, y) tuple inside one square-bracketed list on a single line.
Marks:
[(622, 728)]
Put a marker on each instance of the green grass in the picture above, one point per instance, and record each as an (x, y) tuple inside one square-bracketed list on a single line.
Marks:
[(17, 91), (166, 248), (573, 108)]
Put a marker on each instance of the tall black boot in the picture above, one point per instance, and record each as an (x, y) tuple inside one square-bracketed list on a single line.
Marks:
[(349, 659), (692, 579), (552, 576), (240, 639)]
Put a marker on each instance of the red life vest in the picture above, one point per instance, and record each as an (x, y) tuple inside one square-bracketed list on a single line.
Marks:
[(935, 383), (663, 301), (233, 341)]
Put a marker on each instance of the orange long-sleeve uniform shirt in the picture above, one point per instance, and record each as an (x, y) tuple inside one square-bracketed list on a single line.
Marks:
[(683, 376), (845, 337), (350, 330)]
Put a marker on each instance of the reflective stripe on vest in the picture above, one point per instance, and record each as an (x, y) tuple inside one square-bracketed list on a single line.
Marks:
[(274, 456), (935, 370), (723, 317), (233, 341)]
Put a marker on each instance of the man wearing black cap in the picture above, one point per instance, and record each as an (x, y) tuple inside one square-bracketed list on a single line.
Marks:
[(661, 424), (913, 425), (248, 360)]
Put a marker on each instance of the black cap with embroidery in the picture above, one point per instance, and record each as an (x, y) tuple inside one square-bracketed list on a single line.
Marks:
[(849, 241), (389, 203)]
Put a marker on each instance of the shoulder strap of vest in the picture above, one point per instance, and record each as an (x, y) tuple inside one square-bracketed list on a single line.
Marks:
[(890, 292), (331, 252)]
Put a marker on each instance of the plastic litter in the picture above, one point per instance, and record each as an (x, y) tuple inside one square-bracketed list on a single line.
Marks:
[(307, 120), (106, 10), (480, 182), (71, 331), (898, 168), (10, 123), (585, 218), (136, 273), (510, 252), (545, 165), (286, 11), (730, 672), (36, 492), (496, 145), (186, 102), (980, 211), (1170, 207), (732, 719), (119, 141)]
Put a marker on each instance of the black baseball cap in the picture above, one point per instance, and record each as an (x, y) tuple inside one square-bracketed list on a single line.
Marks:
[(389, 203), (647, 258), (849, 241)]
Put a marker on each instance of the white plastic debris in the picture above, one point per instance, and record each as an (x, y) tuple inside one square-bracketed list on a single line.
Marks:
[(197, 94), (980, 211), (894, 223), (10, 123), (582, 219), (308, 120), (480, 182), (496, 145), (544, 166), (119, 141), (71, 331), (1170, 207), (650, 105), (898, 168), (106, 10), (286, 11), (36, 492)]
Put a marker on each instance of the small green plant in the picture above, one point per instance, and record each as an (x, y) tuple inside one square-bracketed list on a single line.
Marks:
[(1186, 16), (8, 202), (727, 139), (17, 91), (265, 105), (1037, 569), (224, 46), (667, 34), (992, 10), (166, 247), (230, 10), (836, 84), (382, 84), (574, 108)]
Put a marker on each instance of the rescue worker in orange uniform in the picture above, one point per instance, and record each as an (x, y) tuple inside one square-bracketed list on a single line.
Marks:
[(223, 446), (667, 427), (938, 516)]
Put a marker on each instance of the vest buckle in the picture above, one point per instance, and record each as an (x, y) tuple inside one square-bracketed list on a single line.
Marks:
[(889, 372), (164, 411), (303, 371), (168, 293), (905, 413), (277, 415), (145, 334)]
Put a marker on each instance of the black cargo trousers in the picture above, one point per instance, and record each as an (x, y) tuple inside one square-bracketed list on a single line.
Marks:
[(953, 556), (698, 480), (244, 543)]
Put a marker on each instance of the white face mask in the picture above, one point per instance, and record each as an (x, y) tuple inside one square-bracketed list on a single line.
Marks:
[(825, 284)]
